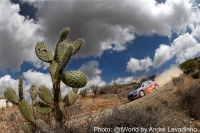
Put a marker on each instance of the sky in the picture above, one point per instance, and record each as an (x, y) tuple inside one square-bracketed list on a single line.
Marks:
[(124, 39)]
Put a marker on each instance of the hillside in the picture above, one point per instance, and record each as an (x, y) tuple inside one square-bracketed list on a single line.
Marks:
[(161, 109)]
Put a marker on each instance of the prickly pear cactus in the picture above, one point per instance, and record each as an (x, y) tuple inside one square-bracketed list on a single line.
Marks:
[(20, 89), (28, 129), (33, 92), (49, 102), (43, 108), (11, 95), (74, 79), (26, 111), (45, 94), (70, 98), (43, 52)]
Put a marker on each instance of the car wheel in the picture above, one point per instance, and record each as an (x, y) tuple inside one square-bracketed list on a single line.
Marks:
[(142, 93)]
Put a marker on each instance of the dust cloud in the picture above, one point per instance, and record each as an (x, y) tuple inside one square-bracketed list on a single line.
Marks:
[(167, 75)]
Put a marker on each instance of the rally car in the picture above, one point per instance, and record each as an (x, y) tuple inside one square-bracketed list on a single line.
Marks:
[(142, 89)]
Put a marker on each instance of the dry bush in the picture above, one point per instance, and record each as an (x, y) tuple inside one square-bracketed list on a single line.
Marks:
[(177, 80), (108, 90), (191, 100), (128, 117), (195, 75), (83, 93)]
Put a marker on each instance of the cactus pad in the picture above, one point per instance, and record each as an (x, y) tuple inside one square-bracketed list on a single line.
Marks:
[(75, 90), (64, 33), (70, 98), (11, 95), (20, 89), (74, 79), (43, 108), (63, 53), (53, 68), (77, 45), (33, 92), (26, 111), (28, 129), (43, 52), (43, 126), (45, 94)]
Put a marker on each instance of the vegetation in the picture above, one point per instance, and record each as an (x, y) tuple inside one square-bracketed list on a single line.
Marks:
[(83, 92), (65, 49), (195, 75), (94, 89), (189, 66), (190, 100)]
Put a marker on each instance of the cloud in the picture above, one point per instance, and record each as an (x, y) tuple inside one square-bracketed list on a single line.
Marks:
[(135, 65), (124, 80), (183, 47), (38, 79), (95, 81), (162, 54), (167, 75), (92, 71), (18, 38), (105, 26), (7, 81)]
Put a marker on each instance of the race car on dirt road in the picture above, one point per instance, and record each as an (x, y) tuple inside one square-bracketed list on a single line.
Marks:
[(142, 89)]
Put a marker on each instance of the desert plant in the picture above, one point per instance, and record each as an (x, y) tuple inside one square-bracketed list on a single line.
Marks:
[(190, 100), (177, 80), (94, 89), (195, 75), (109, 89), (83, 92), (48, 103), (128, 116), (189, 66)]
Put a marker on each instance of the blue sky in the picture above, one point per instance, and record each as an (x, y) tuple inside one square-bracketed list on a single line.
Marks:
[(124, 40)]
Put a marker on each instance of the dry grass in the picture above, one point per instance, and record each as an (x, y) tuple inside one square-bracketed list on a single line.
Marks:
[(190, 100)]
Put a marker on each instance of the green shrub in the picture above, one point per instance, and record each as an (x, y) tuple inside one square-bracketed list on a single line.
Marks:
[(189, 66)]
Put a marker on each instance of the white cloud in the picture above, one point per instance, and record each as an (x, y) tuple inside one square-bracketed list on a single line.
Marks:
[(38, 79), (135, 65), (195, 30), (7, 81), (92, 71), (185, 47), (124, 80), (95, 81), (162, 54), (18, 37)]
